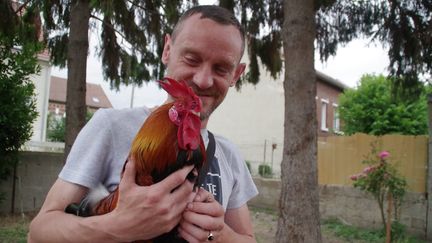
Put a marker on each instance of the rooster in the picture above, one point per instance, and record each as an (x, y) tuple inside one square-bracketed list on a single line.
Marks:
[(168, 140)]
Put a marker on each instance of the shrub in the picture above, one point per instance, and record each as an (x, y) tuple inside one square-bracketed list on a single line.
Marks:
[(248, 164), (382, 180), (17, 101), (264, 170), (56, 128)]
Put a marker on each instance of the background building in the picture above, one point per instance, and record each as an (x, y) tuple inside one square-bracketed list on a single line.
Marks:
[(253, 118), (95, 97)]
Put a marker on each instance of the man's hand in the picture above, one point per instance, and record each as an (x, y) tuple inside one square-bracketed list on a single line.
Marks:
[(149, 211), (203, 216)]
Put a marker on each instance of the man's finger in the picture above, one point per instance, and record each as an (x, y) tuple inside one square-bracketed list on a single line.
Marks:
[(129, 173), (203, 196), (175, 179)]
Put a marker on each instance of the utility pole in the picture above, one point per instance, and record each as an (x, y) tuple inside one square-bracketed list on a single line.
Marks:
[(132, 96)]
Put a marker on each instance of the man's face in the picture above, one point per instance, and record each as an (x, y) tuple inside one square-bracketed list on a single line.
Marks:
[(206, 55)]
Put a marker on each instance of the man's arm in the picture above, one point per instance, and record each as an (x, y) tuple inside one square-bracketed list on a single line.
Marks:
[(206, 215), (141, 213)]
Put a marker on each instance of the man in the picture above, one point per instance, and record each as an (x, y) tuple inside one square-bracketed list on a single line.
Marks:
[(205, 50)]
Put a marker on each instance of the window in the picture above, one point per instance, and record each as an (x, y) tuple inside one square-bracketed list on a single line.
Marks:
[(324, 104), (95, 99), (336, 121)]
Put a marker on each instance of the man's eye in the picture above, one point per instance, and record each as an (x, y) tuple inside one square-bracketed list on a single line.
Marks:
[(191, 60), (221, 70)]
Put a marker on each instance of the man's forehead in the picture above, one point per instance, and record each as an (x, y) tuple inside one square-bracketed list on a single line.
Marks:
[(197, 18), (197, 24)]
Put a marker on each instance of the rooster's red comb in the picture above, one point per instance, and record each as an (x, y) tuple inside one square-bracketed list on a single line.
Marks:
[(183, 112)]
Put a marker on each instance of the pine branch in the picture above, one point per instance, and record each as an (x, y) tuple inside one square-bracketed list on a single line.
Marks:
[(110, 26), (151, 11), (142, 7), (22, 6)]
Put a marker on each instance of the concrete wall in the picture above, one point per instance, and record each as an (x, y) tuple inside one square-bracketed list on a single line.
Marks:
[(36, 173), (350, 205)]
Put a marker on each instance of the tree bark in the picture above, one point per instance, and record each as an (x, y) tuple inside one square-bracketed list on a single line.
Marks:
[(389, 220), (77, 68), (299, 219)]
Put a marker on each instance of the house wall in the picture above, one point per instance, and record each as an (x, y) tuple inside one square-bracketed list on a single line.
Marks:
[(329, 93), (53, 106), (253, 119), (41, 82)]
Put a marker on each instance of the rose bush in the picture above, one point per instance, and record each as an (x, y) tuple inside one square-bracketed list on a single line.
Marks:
[(380, 178)]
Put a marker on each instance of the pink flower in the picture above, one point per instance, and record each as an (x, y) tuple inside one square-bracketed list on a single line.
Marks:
[(357, 176), (384, 154), (368, 169)]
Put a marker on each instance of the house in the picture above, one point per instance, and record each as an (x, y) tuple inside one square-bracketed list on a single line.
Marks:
[(95, 97), (328, 91), (253, 118)]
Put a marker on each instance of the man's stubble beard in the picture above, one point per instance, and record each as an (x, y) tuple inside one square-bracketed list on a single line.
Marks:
[(204, 115)]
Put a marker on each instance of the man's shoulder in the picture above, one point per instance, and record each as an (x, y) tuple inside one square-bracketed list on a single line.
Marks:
[(124, 114), (225, 144), (113, 112), (124, 120)]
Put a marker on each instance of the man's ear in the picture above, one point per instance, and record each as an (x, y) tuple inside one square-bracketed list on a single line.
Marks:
[(166, 49), (237, 73)]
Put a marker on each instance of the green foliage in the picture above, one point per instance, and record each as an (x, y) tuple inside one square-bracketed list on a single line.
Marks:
[(248, 164), (56, 127), (373, 109), (263, 45), (265, 170), (353, 234), (24, 25), (381, 179), (17, 102)]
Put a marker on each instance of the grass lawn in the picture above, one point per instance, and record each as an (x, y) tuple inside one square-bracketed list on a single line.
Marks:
[(14, 228)]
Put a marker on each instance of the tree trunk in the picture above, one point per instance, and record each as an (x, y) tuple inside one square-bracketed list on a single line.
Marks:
[(389, 220), (77, 64), (299, 219)]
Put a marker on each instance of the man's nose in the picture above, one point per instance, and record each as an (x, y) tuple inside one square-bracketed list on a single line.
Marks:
[(203, 77)]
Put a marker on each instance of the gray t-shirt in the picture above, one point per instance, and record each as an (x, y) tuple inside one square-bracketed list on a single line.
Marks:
[(102, 147)]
